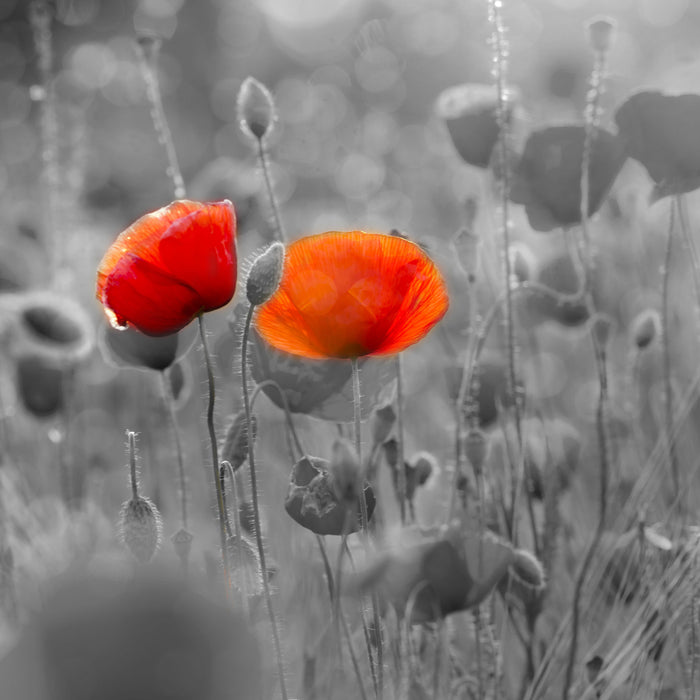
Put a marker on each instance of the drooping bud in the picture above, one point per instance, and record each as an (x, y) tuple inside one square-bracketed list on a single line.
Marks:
[(182, 544), (345, 474), (265, 274), (391, 452), (256, 109), (646, 327), (235, 447), (476, 447), (141, 527), (600, 31), (424, 464), (383, 420)]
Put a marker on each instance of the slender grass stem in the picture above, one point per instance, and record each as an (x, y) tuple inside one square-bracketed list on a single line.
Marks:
[(603, 502), (356, 396), (264, 159), (256, 506), (214, 449)]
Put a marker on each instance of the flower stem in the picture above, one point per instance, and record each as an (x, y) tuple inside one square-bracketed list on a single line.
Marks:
[(182, 478), (399, 438), (364, 524), (214, 450), (256, 507), (264, 159), (149, 49), (603, 501), (668, 389)]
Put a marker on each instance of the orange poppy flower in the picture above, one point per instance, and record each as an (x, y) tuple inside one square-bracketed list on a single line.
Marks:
[(169, 266), (350, 294)]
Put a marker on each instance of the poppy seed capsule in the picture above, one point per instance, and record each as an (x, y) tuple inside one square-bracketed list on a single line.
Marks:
[(265, 274), (601, 33), (646, 327), (475, 447), (344, 471), (141, 528), (256, 109)]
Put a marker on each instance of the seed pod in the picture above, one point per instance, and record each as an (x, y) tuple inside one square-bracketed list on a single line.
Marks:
[(256, 109), (265, 274), (600, 31), (646, 327), (235, 447), (141, 528), (383, 420), (476, 447)]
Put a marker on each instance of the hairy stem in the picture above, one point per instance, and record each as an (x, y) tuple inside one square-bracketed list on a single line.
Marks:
[(214, 449), (256, 506), (264, 159)]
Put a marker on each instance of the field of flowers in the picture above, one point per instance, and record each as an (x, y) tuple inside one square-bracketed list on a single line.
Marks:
[(348, 349)]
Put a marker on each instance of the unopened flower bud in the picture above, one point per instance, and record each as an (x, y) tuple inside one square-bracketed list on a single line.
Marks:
[(476, 447), (265, 274), (424, 465), (528, 568), (391, 452), (382, 423), (466, 245), (344, 471), (256, 109), (235, 447), (141, 527), (602, 328), (182, 544), (601, 33), (646, 327)]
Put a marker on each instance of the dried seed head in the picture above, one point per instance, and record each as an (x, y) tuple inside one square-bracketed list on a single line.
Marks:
[(141, 528), (383, 420), (256, 109), (265, 274), (344, 471), (476, 447), (235, 447), (600, 31), (646, 327)]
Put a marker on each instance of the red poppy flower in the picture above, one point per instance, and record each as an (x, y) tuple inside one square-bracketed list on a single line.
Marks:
[(350, 294), (170, 266)]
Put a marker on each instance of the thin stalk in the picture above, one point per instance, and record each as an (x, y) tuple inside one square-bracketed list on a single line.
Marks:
[(237, 528), (182, 477), (256, 507), (399, 438), (363, 511), (668, 389), (222, 480), (603, 503), (214, 449), (149, 49), (133, 477), (264, 159), (290, 423)]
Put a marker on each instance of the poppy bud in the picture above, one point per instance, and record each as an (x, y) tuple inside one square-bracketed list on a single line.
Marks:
[(265, 274), (235, 447), (466, 245), (600, 31), (382, 422), (256, 109), (528, 568), (344, 472), (391, 452), (476, 447), (601, 329), (141, 528), (40, 385), (245, 560), (646, 327), (424, 465), (182, 544)]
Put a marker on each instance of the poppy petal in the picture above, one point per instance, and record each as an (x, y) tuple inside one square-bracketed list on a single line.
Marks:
[(211, 271), (350, 294), (140, 294)]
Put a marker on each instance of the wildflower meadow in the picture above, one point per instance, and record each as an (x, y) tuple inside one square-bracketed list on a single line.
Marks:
[(349, 349)]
